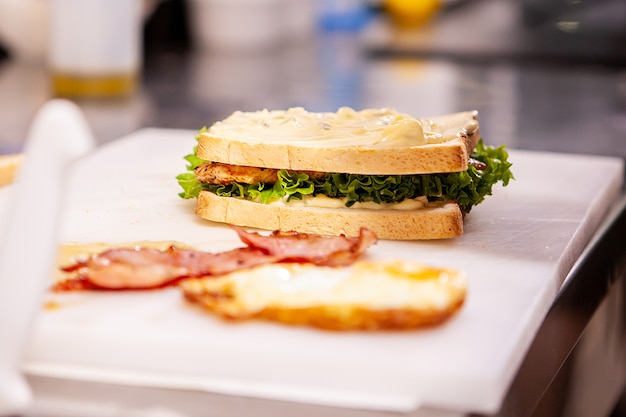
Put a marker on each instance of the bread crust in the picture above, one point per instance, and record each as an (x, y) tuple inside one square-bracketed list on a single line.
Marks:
[(447, 156), (440, 221)]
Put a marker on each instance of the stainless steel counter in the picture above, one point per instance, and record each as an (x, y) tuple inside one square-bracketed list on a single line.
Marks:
[(575, 366)]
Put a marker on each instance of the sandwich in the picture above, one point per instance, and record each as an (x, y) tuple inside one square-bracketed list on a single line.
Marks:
[(332, 173)]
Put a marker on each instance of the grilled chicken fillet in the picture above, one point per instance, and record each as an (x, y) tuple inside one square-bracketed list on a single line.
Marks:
[(225, 174)]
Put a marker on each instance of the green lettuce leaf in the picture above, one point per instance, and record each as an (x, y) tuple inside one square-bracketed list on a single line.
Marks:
[(467, 188), (187, 180)]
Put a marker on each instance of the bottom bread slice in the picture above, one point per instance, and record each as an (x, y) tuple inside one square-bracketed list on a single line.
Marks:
[(440, 221)]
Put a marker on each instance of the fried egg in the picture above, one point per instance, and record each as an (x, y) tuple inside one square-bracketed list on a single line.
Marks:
[(368, 295)]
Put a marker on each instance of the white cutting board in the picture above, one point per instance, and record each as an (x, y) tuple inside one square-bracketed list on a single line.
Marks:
[(516, 251)]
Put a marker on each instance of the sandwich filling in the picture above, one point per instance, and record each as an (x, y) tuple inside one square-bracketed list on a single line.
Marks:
[(487, 166)]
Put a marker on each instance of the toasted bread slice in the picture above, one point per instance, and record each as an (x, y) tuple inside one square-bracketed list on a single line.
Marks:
[(435, 221), (9, 165), (369, 295), (371, 141)]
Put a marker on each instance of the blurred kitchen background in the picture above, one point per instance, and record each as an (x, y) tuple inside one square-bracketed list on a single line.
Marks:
[(545, 75)]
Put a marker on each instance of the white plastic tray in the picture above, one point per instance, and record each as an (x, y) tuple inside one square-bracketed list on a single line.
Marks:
[(517, 249)]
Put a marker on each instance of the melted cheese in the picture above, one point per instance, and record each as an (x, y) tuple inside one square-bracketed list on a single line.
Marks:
[(346, 127)]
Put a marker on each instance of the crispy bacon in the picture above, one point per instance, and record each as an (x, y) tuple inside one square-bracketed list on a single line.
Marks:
[(320, 250), (145, 268)]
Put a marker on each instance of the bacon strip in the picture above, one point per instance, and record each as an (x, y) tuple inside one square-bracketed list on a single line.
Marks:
[(303, 247), (145, 268)]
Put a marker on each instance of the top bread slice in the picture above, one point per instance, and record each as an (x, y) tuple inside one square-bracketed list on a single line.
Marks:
[(375, 141)]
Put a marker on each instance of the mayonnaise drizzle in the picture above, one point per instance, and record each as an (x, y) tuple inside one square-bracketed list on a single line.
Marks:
[(346, 127), (322, 201)]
